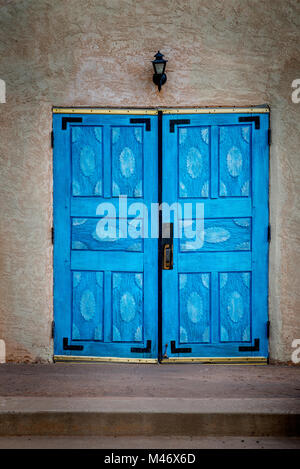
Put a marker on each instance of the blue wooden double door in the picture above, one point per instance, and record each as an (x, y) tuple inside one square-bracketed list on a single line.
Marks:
[(135, 281)]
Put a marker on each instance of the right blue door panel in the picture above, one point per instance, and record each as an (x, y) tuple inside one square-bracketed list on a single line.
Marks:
[(214, 301)]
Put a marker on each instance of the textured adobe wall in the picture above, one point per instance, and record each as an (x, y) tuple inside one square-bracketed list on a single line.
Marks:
[(97, 53)]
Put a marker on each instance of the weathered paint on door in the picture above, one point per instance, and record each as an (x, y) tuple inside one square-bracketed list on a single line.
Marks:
[(105, 289), (215, 298)]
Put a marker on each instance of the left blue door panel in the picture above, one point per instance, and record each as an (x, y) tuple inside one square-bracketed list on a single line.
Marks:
[(105, 287)]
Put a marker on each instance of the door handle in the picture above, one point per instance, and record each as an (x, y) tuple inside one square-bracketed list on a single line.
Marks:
[(167, 258)]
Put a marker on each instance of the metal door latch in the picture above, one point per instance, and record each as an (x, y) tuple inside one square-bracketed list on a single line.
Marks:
[(167, 235), (251, 348), (66, 346), (168, 257), (174, 349), (146, 349)]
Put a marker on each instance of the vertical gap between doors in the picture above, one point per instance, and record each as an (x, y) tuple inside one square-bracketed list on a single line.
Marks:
[(159, 309)]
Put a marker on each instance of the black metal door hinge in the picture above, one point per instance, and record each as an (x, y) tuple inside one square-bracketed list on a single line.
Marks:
[(146, 349), (52, 329), (52, 235), (174, 122), (142, 120), (71, 347), (65, 120), (269, 233), (174, 349), (268, 329), (255, 119), (251, 348), (52, 139), (269, 137)]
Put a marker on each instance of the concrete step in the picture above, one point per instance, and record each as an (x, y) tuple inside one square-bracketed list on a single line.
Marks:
[(145, 416), (148, 442)]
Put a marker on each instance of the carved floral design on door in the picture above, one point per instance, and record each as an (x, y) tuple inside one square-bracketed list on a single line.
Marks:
[(194, 162), (87, 161), (194, 307), (235, 293), (127, 161), (127, 306), (87, 306), (234, 157)]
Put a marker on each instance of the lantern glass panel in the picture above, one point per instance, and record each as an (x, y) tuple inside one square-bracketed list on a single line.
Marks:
[(159, 68)]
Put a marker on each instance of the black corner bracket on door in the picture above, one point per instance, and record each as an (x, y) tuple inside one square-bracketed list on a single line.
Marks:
[(255, 119), (71, 347), (179, 350), (145, 120), (174, 122), (65, 120), (251, 348), (147, 349)]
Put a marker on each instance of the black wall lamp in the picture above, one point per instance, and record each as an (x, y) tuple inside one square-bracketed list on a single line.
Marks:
[(159, 65)]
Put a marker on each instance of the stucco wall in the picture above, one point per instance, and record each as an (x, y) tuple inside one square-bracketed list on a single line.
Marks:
[(97, 53)]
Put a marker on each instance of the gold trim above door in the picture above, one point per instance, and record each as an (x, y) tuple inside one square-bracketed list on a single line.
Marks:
[(218, 110), (78, 110), (154, 112)]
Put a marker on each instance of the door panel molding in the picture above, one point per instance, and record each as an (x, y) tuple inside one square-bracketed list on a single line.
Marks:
[(235, 251)]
